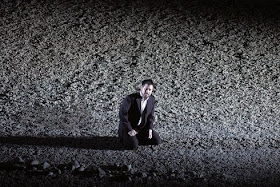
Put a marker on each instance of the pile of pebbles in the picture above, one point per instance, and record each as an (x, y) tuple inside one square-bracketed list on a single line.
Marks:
[(117, 172), (74, 167)]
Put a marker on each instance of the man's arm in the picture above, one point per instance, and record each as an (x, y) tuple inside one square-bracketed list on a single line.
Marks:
[(151, 117), (125, 106)]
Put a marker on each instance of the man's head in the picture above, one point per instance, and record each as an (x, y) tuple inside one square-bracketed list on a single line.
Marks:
[(147, 88)]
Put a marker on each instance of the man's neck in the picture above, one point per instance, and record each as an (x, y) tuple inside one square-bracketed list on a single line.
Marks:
[(143, 96)]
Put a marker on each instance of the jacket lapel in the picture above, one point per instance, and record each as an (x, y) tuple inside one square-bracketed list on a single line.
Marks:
[(147, 108), (148, 105)]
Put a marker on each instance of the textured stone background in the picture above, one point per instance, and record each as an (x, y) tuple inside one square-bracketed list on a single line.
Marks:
[(66, 65)]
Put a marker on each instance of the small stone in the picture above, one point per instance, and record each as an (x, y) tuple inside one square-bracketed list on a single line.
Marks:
[(132, 171), (34, 169), (19, 166), (39, 171), (81, 169), (144, 175), (46, 165), (57, 170), (181, 176), (35, 163), (172, 171), (181, 152), (101, 172), (51, 174), (173, 175), (73, 168), (201, 176), (193, 174), (128, 167), (154, 174), (76, 164), (20, 160)]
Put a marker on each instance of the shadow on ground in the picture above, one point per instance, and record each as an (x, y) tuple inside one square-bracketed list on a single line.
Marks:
[(96, 142)]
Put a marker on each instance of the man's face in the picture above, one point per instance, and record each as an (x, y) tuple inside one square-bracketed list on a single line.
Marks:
[(147, 90)]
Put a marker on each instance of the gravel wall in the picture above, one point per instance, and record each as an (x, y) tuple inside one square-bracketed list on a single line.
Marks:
[(65, 66)]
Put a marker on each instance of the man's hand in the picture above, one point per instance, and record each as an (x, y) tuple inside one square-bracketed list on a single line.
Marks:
[(150, 134), (132, 132)]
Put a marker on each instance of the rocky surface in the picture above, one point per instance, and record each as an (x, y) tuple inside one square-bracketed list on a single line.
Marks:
[(65, 67)]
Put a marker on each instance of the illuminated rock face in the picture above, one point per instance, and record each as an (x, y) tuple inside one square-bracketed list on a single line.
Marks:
[(66, 66)]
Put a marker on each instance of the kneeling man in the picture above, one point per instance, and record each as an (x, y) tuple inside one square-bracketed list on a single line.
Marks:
[(137, 118)]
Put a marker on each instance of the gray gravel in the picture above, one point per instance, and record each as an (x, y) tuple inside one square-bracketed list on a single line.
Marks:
[(65, 67)]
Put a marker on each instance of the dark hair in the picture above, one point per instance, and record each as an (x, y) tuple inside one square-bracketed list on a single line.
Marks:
[(147, 81)]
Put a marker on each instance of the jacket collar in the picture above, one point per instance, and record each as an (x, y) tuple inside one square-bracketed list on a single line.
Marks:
[(138, 100)]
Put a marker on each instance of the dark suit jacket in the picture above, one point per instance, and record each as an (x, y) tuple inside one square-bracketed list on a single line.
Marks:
[(130, 114)]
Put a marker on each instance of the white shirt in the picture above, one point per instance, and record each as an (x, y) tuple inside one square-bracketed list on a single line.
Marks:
[(143, 106)]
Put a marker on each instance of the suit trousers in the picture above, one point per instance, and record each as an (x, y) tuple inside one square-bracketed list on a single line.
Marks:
[(141, 138)]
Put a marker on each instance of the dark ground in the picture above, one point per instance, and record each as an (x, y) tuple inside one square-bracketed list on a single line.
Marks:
[(66, 65)]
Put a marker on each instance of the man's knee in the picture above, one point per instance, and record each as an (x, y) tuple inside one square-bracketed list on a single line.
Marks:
[(130, 142), (130, 147), (156, 139)]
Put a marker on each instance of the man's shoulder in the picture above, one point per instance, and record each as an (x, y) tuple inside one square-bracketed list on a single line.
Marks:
[(152, 97), (134, 95), (137, 95)]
